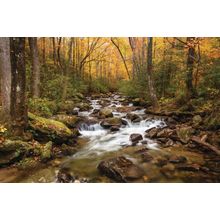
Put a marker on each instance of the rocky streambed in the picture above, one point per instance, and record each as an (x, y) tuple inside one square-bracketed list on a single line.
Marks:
[(122, 141)]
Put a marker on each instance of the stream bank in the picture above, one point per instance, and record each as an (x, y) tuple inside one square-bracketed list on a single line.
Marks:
[(121, 140)]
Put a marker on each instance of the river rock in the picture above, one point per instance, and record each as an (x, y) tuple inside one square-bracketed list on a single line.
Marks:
[(135, 137), (48, 129), (110, 122), (133, 117), (114, 128), (105, 113), (64, 176), (120, 169)]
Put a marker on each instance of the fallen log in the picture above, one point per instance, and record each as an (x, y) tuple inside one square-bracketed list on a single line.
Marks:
[(206, 145)]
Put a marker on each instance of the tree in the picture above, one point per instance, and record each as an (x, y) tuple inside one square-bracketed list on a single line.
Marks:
[(190, 92), (151, 89), (35, 82), (18, 92), (122, 57), (5, 71)]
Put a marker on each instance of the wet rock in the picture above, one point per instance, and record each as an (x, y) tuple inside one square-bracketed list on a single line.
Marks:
[(105, 113), (124, 122), (135, 138), (133, 117), (110, 122), (177, 159), (197, 120), (136, 120), (184, 133), (48, 129), (64, 176), (95, 111), (69, 121), (114, 128), (120, 169)]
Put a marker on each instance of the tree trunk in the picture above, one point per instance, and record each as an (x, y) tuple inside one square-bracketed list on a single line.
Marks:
[(122, 57), (151, 88), (18, 96), (54, 51), (67, 69), (35, 82), (190, 92), (5, 71)]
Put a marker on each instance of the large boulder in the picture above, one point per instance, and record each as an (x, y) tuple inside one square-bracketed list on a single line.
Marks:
[(48, 129), (105, 113), (110, 122), (120, 169), (70, 121)]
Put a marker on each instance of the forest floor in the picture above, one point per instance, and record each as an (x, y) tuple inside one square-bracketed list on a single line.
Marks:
[(112, 138)]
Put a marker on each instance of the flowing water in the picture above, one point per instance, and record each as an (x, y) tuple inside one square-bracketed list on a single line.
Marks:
[(97, 143)]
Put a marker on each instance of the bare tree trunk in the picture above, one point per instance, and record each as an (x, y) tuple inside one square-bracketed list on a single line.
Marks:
[(5, 71), (44, 50), (18, 92), (122, 57), (151, 88), (190, 92), (35, 82)]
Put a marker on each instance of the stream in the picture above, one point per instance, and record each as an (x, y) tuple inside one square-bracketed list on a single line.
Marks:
[(97, 144)]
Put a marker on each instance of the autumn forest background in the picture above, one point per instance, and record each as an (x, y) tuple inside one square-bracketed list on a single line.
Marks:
[(48, 76)]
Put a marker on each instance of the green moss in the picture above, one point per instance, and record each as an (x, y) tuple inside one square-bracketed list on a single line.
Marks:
[(49, 129)]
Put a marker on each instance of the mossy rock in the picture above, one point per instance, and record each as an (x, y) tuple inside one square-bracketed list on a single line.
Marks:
[(48, 129), (13, 145), (70, 121), (28, 163), (46, 151)]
